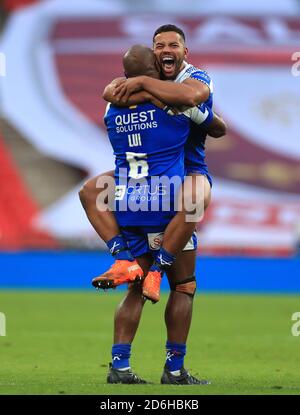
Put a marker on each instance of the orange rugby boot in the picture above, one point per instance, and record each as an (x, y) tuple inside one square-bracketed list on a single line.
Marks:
[(121, 272), (151, 286)]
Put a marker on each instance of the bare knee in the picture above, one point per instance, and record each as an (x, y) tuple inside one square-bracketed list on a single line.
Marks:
[(88, 192), (81, 195), (91, 189)]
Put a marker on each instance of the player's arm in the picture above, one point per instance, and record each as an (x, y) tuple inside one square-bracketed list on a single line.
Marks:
[(217, 128), (134, 99), (108, 93), (203, 116), (190, 92)]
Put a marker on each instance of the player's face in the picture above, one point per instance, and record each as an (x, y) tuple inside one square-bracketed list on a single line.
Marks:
[(170, 52)]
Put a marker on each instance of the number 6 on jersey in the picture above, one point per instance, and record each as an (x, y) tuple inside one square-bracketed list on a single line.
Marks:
[(137, 168)]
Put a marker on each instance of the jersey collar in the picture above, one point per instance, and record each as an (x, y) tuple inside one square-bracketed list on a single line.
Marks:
[(186, 66)]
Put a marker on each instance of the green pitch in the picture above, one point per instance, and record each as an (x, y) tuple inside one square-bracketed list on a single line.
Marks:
[(59, 343)]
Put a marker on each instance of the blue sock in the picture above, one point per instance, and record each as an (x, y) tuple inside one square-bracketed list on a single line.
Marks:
[(163, 260), (175, 356), (120, 355), (119, 249)]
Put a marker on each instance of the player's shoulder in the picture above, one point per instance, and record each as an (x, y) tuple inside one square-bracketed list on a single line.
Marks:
[(192, 72), (191, 69), (198, 73)]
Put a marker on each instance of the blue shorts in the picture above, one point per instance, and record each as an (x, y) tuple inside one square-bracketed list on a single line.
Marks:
[(194, 154), (143, 240)]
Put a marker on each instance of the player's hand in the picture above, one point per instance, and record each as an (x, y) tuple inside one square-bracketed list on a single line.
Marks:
[(127, 88), (174, 111), (116, 83)]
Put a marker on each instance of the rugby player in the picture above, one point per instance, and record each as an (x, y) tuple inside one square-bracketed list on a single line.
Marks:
[(192, 87), (164, 158)]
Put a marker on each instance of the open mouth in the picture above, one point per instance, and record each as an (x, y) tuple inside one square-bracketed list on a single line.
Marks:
[(168, 64)]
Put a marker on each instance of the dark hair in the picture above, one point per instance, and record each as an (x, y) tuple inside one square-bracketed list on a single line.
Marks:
[(169, 28)]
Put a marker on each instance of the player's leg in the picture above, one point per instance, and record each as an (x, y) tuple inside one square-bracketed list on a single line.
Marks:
[(129, 311), (197, 190), (179, 308), (178, 317), (179, 230), (126, 322), (102, 218)]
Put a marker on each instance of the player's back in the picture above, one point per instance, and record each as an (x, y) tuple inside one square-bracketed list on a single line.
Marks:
[(147, 142), (146, 132)]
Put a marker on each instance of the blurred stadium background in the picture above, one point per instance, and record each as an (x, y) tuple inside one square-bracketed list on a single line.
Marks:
[(59, 54)]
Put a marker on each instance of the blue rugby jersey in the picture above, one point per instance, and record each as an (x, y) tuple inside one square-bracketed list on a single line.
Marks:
[(147, 142), (195, 145)]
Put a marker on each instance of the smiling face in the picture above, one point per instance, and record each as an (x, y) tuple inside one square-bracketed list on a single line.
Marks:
[(170, 52)]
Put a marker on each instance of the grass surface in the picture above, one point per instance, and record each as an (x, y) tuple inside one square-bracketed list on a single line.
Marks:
[(60, 342)]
